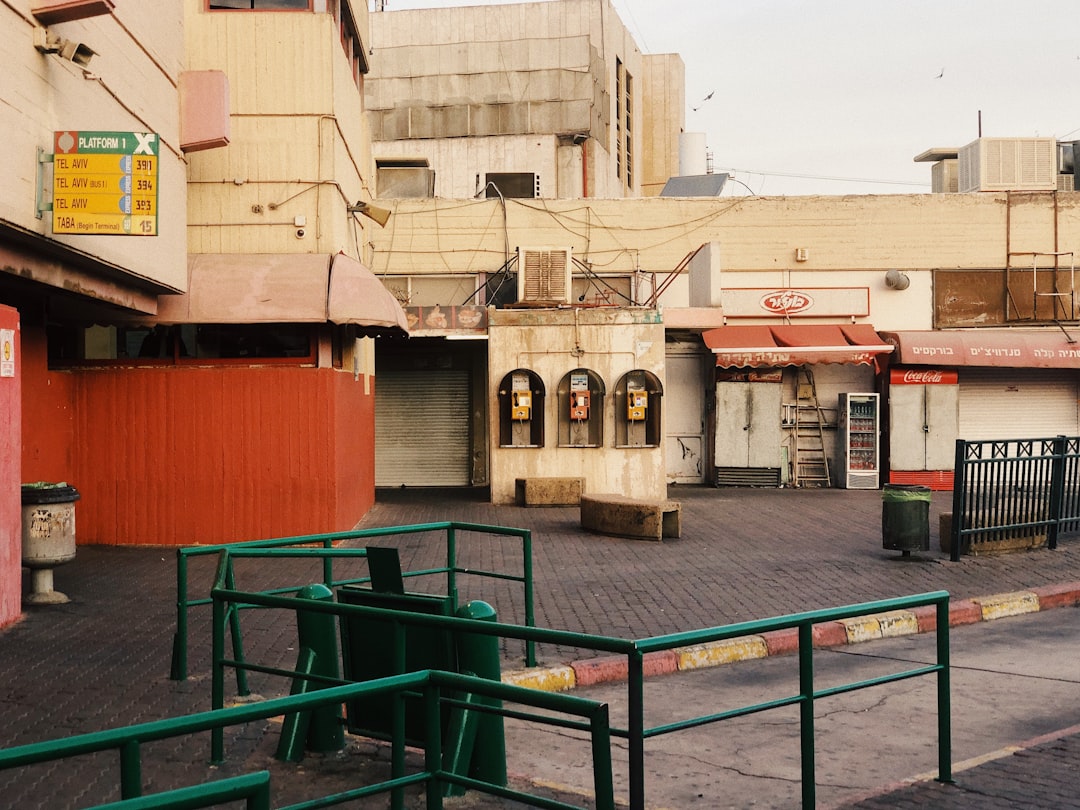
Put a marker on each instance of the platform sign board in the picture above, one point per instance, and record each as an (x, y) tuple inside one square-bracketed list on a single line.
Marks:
[(105, 183)]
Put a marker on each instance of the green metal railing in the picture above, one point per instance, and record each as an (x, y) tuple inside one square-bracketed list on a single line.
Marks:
[(574, 712), (636, 732), (302, 545), (253, 788), (1008, 488)]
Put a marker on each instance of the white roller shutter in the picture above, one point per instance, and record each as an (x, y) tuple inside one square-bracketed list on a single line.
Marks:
[(1013, 403), (422, 428)]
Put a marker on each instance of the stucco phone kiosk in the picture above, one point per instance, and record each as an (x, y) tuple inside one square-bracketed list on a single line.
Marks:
[(521, 409)]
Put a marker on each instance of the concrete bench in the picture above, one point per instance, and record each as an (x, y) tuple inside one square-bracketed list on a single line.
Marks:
[(552, 491), (639, 518)]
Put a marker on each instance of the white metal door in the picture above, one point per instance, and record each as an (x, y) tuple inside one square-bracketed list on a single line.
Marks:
[(422, 428), (923, 426), (684, 418), (748, 429)]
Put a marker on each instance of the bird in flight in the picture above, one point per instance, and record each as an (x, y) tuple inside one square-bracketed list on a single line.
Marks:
[(698, 107), (940, 74)]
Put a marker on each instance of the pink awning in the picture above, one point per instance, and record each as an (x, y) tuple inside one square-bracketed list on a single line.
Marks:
[(1003, 348), (283, 288), (810, 344)]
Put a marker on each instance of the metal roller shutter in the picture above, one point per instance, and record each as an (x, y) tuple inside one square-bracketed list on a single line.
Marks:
[(1017, 403), (422, 428)]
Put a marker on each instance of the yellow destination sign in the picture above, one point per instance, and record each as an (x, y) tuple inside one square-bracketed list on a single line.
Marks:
[(105, 204), (105, 183), (104, 164), (115, 224)]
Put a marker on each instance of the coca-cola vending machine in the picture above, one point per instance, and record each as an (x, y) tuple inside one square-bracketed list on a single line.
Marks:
[(924, 423), (860, 434)]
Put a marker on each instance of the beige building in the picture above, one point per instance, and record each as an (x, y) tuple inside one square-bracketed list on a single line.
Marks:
[(534, 100), (187, 316)]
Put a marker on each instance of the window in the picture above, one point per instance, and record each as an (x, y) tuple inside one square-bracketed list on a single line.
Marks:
[(624, 124), (515, 185), (189, 343), (260, 5)]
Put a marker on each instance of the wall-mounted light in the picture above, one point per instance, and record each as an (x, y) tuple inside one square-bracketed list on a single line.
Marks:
[(47, 42), (897, 280), (380, 215)]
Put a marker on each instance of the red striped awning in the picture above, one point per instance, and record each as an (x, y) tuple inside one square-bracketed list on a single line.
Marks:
[(809, 344)]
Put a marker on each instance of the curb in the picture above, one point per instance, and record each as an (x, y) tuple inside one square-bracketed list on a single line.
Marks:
[(893, 624)]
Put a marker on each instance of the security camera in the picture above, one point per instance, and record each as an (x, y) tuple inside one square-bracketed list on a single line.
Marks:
[(301, 233), (48, 42)]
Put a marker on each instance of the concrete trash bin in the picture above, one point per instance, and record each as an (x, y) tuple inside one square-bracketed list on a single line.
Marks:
[(905, 517), (48, 536)]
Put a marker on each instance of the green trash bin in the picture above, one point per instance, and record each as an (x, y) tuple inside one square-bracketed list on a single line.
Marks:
[(905, 517)]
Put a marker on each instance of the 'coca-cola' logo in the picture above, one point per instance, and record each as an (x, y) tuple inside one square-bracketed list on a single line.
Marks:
[(786, 302), (924, 377)]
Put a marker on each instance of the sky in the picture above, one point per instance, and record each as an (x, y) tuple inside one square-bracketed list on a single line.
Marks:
[(839, 96)]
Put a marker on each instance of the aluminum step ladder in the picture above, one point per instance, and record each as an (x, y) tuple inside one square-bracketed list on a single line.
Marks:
[(811, 464)]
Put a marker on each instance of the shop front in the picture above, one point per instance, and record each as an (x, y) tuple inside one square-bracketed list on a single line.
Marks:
[(975, 384), (784, 395)]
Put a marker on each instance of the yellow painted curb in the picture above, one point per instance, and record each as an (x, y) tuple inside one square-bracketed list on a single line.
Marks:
[(891, 624), (1000, 605), (552, 679), (716, 653)]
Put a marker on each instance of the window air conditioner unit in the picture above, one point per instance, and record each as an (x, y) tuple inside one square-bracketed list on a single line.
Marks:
[(544, 275), (1008, 164)]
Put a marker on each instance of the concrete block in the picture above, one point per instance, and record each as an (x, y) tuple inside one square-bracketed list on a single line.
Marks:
[(548, 491), (631, 517)]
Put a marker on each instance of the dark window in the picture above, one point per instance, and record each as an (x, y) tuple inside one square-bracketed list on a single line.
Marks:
[(516, 185), (260, 5), (190, 343)]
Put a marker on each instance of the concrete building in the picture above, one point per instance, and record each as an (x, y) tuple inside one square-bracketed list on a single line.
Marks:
[(772, 309), (187, 312)]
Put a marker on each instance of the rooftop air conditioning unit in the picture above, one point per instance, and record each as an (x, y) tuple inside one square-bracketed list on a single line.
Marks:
[(544, 275), (944, 177), (1008, 164)]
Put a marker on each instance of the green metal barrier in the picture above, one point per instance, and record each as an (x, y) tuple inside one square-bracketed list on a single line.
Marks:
[(574, 712), (302, 544), (253, 788), (637, 732)]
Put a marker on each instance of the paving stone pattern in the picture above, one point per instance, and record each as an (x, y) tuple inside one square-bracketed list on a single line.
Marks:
[(103, 659)]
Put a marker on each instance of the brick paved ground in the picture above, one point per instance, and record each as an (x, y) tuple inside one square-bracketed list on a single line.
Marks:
[(103, 659)]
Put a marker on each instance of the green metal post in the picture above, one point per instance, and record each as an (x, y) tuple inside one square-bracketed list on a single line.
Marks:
[(959, 491), (237, 640), (217, 678), (603, 787), (130, 770), (397, 744), (806, 714), (178, 671), (328, 565), (318, 632), (479, 655), (451, 565), (635, 727), (295, 726), (433, 744), (530, 618), (944, 694)]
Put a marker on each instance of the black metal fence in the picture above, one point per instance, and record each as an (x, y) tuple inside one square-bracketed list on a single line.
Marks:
[(1014, 490)]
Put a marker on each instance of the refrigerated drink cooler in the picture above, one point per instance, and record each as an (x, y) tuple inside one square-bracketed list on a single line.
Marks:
[(860, 439)]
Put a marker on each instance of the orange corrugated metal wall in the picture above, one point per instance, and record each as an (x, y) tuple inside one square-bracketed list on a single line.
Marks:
[(176, 456)]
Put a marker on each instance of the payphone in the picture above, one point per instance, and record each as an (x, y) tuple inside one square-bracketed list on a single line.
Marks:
[(521, 409), (637, 401), (521, 406)]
